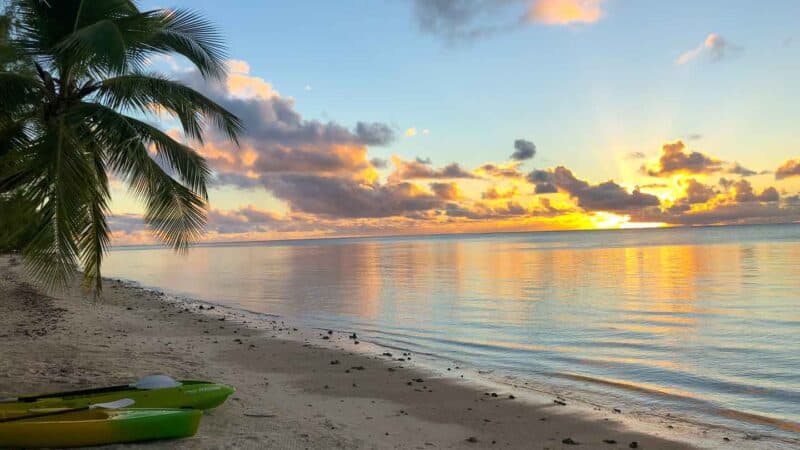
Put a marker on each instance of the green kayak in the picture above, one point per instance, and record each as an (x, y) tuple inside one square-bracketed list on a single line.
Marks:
[(149, 392), (99, 427)]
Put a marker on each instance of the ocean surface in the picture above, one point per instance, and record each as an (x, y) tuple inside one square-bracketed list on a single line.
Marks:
[(702, 323)]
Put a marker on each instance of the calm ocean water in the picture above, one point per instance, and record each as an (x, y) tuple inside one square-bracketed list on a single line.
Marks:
[(703, 322)]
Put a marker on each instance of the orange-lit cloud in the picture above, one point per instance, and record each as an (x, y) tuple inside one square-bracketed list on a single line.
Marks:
[(565, 12)]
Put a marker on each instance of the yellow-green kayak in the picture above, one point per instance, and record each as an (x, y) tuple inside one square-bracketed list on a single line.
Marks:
[(174, 394), (99, 427)]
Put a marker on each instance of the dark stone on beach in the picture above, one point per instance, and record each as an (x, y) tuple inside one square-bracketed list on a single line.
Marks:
[(221, 319), (472, 439), (334, 362), (633, 444), (387, 354), (409, 383), (391, 369), (357, 367), (569, 441), (353, 336), (129, 308), (726, 439), (330, 331), (559, 402), (356, 342), (325, 337), (617, 410), (418, 380), (609, 441), (494, 394), (511, 397)]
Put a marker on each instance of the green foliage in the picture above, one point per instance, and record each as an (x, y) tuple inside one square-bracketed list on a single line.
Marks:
[(15, 223), (73, 74)]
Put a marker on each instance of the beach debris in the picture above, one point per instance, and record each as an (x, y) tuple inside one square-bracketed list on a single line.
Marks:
[(559, 402), (418, 380), (334, 362), (387, 354), (259, 414), (633, 444), (472, 439), (353, 336), (617, 411), (357, 367), (609, 441), (569, 441)]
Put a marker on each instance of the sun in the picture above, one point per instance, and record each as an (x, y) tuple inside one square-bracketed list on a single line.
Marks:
[(602, 220)]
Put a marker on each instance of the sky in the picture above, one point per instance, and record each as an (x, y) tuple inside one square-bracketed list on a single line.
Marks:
[(449, 116)]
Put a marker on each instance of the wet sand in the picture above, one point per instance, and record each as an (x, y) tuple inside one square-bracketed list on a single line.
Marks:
[(295, 388)]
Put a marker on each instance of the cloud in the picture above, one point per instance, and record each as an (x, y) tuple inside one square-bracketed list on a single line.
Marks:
[(697, 192), (494, 194), (446, 191), (790, 168), (277, 139), (607, 196), (523, 150), (507, 170), (422, 169), (636, 155), (737, 169), (675, 159), (378, 134), (545, 188), (565, 12), (466, 20), (340, 197), (714, 48)]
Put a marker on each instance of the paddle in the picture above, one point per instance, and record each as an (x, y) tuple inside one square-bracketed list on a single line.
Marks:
[(145, 383), (117, 404)]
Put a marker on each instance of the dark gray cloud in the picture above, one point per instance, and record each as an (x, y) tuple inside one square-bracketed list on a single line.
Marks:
[(675, 159), (480, 211), (790, 168), (523, 150), (545, 188), (460, 20), (379, 163), (606, 196), (738, 169), (340, 197), (375, 133)]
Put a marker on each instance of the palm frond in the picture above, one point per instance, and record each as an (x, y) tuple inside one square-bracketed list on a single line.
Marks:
[(146, 92)]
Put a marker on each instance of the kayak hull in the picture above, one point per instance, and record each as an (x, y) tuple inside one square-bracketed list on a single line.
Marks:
[(99, 427), (190, 394)]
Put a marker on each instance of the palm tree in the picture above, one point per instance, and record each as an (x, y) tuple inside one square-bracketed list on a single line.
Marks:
[(79, 115)]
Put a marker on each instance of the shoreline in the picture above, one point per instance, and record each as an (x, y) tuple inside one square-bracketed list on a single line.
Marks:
[(297, 387)]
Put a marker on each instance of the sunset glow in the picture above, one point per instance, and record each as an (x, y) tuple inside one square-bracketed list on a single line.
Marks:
[(582, 139)]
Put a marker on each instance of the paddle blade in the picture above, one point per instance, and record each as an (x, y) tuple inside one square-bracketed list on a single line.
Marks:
[(156, 382), (117, 404)]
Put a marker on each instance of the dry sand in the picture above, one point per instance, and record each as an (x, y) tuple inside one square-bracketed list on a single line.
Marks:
[(295, 389)]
